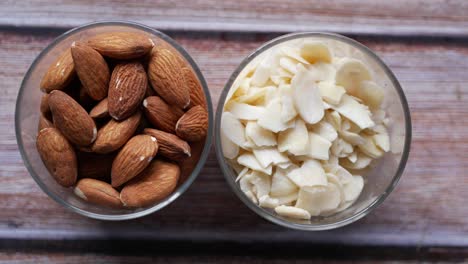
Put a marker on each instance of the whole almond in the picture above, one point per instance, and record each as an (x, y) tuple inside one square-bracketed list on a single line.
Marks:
[(44, 123), (170, 146), (115, 134), (59, 74), (45, 110), (127, 89), (193, 125), (160, 114), (100, 110), (92, 70), (58, 156), (96, 166), (122, 45), (98, 192), (154, 184), (71, 119), (197, 97), (164, 71), (133, 158)]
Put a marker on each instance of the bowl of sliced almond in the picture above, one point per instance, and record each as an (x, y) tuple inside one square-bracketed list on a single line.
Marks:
[(313, 131), (113, 120)]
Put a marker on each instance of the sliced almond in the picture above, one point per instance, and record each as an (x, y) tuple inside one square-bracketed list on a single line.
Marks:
[(318, 147), (318, 199), (307, 97), (261, 183), (310, 173), (268, 202), (315, 51), (325, 130), (287, 199), (292, 212), (229, 148), (362, 161), (350, 73), (382, 141), (294, 140), (330, 92), (369, 148), (281, 185), (353, 189), (371, 94), (232, 128), (354, 111), (271, 120), (260, 136), (269, 155), (249, 160), (246, 111)]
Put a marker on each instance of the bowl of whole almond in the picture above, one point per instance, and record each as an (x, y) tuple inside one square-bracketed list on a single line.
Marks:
[(113, 120)]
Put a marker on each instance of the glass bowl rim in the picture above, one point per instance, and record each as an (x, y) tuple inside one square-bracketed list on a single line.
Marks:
[(263, 212), (180, 189)]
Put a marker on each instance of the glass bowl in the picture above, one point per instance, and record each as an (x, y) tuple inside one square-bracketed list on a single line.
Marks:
[(27, 116), (381, 178)]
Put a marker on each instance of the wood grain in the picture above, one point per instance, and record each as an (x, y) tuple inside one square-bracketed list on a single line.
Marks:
[(427, 208), (399, 17)]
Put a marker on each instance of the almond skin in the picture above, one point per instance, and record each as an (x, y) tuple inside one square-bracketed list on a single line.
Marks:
[(127, 89), (197, 97), (164, 72), (133, 158), (170, 146), (122, 45), (193, 125), (114, 134), (58, 156), (92, 70), (101, 110), (160, 114), (96, 166), (71, 119), (59, 74), (44, 123), (156, 182), (98, 192)]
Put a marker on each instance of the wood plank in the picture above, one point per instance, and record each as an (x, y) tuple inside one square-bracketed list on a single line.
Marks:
[(399, 17), (427, 208)]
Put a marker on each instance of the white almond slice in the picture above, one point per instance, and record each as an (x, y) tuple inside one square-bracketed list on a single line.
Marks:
[(249, 160), (271, 118), (271, 94), (310, 173), (284, 165), (270, 155), (230, 149), (249, 144), (354, 111), (325, 130), (353, 189), (322, 71), (292, 212), (232, 128), (369, 148), (243, 87), (244, 171), (260, 136), (371, 94), (294, 140), (350, 73), (318, 199), (362, 162), (341, 148), (287, 199), (315, 51), (352, 157), (261, 183), (334, 119), (352, 138), (378, 116), (289, 65), (318, 147), (281, 185), (293, 53), (268, 202), (245, 73), (284, 74), (254, 95), (246, 111), (382, 141), (379, 129), (330, 92), (246, 187), (264, 68), (307, 98)]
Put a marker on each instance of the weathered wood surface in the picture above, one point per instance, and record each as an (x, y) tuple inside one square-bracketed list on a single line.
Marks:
[(427, 208), (398, 17)]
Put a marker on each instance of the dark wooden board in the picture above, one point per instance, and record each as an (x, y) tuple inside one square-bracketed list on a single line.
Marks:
[(427, 208)]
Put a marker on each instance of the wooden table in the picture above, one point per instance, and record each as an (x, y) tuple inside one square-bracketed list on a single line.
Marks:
[(425, 218)]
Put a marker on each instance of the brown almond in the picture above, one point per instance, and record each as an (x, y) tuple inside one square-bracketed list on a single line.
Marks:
[(58, 156), (98, 192), (45, 110), (96, 166), (193, 125), (170, 146), (115, 134), (44, 123), (92, 70), (127, 89), (59, 74), (197, 97), (154, 184), (100, 110), (71, 119), (122, 45), (160, 114), (133, 158), (164, 72)]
